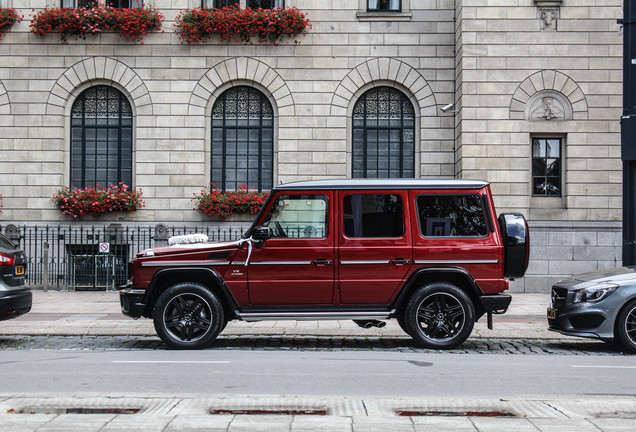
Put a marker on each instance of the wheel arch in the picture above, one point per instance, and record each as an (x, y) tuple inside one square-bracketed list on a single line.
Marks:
[(453, 275), (628, 300), (209, 278)]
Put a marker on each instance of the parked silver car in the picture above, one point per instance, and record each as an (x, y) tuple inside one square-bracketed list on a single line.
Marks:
[(598, 305)]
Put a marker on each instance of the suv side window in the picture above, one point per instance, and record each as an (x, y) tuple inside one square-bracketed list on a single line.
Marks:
[(459, 215), (368, 215), (298, 216)]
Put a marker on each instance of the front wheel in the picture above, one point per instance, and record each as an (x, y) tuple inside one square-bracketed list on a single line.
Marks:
[(626, 327), (439, 316), (188, 316)]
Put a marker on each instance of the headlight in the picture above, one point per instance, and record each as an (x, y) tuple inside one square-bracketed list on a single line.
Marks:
[(594, 294)]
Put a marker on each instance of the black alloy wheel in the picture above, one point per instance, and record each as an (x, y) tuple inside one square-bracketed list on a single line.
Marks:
[(439, 316), (626, 326), (188, 316)]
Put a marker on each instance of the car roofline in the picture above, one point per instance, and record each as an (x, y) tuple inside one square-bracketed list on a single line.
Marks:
[(369, 184)]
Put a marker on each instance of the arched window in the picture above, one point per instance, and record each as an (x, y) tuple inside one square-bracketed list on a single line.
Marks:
[(383, 135), (101, 138), (242, 140)]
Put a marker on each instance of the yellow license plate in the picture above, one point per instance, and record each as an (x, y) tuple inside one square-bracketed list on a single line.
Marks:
[(19, 270), (552, 313)]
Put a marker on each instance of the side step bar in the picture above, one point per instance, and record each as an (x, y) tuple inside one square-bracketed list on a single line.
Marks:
[(305, 316)]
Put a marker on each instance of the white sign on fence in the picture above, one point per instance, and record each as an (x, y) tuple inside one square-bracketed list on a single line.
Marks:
[(104, 248)]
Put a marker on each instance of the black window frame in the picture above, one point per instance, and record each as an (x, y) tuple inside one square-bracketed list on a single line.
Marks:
[(121, 124), (219, 4), (541, 177), (386, 9), (127, 4), (478, 198), (399, 220), (265, 126), (260, 4), (79, 4), (362, 151)]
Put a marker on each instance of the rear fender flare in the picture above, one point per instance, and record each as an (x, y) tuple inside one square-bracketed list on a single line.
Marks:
[(447, 274)]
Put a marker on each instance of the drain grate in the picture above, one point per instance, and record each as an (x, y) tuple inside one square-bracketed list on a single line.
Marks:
[(74, 410), (455, 413), (316, 412)]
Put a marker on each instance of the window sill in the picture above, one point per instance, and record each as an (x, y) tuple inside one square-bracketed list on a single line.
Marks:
[(384, 16)]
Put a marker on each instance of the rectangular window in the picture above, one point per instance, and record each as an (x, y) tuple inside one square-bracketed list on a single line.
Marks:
[(298, 216), (373, 216), (218, 4), (125, 4), (78, 3), (384, 5), (265, 4), (546, 167), (451, 215)]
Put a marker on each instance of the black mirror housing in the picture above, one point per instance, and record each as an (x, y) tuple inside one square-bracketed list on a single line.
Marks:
[(262, 233)]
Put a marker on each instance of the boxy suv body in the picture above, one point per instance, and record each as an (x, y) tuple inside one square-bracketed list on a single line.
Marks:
[(430, 254), (15, 295)]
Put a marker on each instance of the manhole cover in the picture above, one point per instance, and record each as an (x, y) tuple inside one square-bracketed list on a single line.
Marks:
[(319, 412), (455, 413), (74, 410)]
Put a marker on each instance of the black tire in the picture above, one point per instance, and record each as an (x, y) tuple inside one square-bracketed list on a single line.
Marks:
[(626, 327), (439, 316), (402, 323), (188, 316)]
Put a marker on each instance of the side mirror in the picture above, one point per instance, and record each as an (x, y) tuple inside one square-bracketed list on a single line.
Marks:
[(261, 233)]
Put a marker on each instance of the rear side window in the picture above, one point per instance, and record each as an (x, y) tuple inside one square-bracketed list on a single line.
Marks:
[(451, 215), (373, 216)]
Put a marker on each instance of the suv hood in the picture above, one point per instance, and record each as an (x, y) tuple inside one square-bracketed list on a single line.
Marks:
[(191, 247), (617, 276)]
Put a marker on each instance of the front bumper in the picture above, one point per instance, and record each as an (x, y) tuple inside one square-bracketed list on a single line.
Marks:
[(132, 301), (585, 319), (15, 303)]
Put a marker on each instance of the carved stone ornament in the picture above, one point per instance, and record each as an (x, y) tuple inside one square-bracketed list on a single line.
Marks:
[(549, 106), (548, 19)]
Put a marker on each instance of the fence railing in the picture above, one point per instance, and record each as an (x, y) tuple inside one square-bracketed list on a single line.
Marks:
[(95, 257)]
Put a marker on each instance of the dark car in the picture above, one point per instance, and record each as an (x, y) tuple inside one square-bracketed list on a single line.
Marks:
[(599, 305), (15, 295)]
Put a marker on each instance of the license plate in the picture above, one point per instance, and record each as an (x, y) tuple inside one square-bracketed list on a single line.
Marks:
[(552, 313), (19, 270)]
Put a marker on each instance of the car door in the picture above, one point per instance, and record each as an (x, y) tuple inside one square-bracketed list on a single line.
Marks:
[(296, 265), (374, 245)]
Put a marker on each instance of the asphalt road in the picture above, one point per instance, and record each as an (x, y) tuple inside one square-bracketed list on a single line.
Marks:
[(344, 373)]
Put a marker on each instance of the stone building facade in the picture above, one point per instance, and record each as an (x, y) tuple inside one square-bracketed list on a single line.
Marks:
[(525, 94)]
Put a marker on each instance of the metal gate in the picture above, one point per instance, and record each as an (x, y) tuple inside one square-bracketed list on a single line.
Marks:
[(93, 270)]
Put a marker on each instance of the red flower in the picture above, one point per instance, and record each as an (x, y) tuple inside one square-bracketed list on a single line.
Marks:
[(8, 17), (234, 23), (214, 202), (78, 22), (78, 202)]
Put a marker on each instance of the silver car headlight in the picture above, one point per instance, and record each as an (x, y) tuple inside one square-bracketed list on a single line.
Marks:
[(595, 293)]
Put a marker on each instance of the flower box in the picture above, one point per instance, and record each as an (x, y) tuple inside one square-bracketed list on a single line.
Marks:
[(94, 201), (131, 24), (8, 17), (238, 205), (233, 23)]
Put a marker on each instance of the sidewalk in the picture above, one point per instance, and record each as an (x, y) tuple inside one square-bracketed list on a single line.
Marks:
[(98, 313)]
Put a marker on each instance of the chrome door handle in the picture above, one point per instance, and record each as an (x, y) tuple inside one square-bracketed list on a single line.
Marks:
[(400, 261), (322, 262)]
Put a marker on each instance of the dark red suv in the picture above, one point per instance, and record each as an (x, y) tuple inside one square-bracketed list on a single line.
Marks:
[(431, 254)]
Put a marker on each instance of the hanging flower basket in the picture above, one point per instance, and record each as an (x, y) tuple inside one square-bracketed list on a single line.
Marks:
[(131, 24), (268, 26), (113, 198), (243, 201), (8, 17)]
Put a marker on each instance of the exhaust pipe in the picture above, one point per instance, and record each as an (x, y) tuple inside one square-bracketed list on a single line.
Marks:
[(367, 324)]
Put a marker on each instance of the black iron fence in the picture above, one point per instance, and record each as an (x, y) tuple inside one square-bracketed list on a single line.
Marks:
[(95, 257)]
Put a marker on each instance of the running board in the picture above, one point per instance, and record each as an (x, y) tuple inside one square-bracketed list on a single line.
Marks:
[(305, 316)]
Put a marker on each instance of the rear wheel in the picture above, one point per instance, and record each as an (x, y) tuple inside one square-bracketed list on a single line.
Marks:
[(626, 326), (439, 316), (188, 316)]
